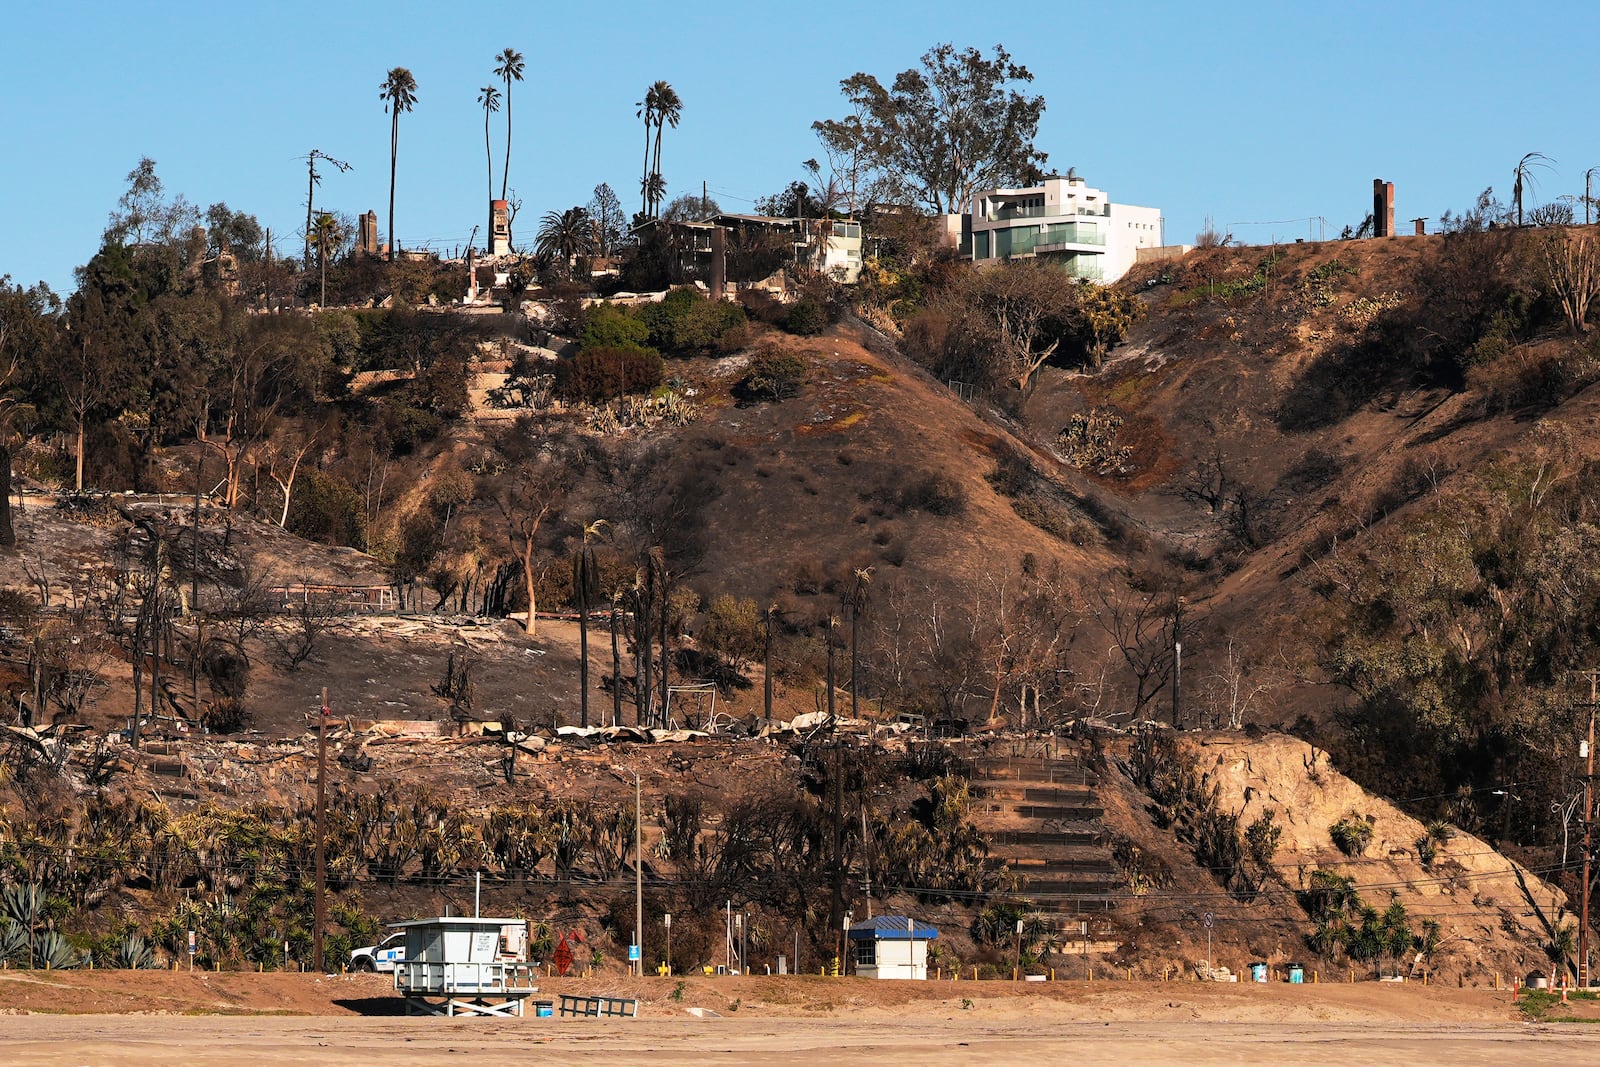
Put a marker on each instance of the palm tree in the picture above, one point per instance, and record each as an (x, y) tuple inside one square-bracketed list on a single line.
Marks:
[(398, 93), (489, 97), (647, 111), (668, 110), (565, 235), (1524, 176), (509, 69), (654, 190), (326, 236)]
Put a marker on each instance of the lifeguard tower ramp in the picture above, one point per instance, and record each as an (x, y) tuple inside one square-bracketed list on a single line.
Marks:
[(459, 965)]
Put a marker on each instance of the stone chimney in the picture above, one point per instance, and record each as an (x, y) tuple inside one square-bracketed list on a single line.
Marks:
[(499, 228), (367, 234), (1382, 208)]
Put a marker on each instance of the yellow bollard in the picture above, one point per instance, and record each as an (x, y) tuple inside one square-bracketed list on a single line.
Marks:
[(974, 973), (1313, 977), (1052, 974), (1130, 974)]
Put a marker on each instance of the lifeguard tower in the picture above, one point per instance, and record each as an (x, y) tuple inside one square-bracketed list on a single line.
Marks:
[(464, 965)]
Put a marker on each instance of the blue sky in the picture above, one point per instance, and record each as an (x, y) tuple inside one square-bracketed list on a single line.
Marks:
[(1259, 115)]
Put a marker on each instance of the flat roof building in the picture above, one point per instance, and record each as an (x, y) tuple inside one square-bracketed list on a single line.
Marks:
[(891, 946), (1062, 220)]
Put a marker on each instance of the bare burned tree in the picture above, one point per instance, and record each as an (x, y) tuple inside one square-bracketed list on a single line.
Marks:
[(296, 637), (1139, 614)]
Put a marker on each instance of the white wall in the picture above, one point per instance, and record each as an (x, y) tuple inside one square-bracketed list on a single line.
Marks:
[(898, 959)]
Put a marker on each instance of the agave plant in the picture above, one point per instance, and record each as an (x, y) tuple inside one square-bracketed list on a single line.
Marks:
[(23, 903), (53, 951), (134, 954), (13, 942)]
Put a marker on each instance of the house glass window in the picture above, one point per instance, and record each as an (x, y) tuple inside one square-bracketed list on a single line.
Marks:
[(866, 953)]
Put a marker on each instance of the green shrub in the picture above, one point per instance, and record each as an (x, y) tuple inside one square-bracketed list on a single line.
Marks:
[(603, 373), (773, 376), (608, 326), (686, 323), (1352, 834), (806, 318)]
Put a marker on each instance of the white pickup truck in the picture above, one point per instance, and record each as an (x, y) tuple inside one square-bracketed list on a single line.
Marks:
[(382, 956)]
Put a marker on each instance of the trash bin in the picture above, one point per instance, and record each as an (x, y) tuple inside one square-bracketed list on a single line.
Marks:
[(1297, 974), (1258, 972), (544, 1009)]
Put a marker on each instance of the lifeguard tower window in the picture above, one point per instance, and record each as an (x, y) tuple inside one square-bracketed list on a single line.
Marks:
[(866, 953)]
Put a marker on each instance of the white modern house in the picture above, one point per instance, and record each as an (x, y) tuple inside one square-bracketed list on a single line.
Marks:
[(1065, 221), (891, 946)]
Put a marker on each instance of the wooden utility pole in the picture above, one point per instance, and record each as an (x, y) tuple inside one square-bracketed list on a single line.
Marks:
[(1177, 661), (638, 873), (1588, 832), (320, 913), (766, 667)]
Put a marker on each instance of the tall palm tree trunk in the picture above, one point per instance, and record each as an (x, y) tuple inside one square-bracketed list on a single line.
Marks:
[(644, 180), (488, 154), (394, 152), (505, 171), (656, 167)]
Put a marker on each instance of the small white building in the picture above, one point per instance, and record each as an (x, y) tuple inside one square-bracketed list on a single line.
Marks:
[(1062, 220), (891, 946)]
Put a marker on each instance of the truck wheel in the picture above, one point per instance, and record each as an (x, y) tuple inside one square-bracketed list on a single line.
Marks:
[(364, 965)]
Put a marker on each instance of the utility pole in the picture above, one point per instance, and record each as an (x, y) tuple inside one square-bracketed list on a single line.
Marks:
[(766, 667), (320, 913), (638, 872), (1177, 660), (1588, 831), (312, 178), (666, 659)]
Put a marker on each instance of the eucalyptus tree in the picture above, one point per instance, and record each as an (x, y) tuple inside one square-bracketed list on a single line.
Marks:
[(398, 93), (489, 97), (940, 131), (28, 322), (508, 68)]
